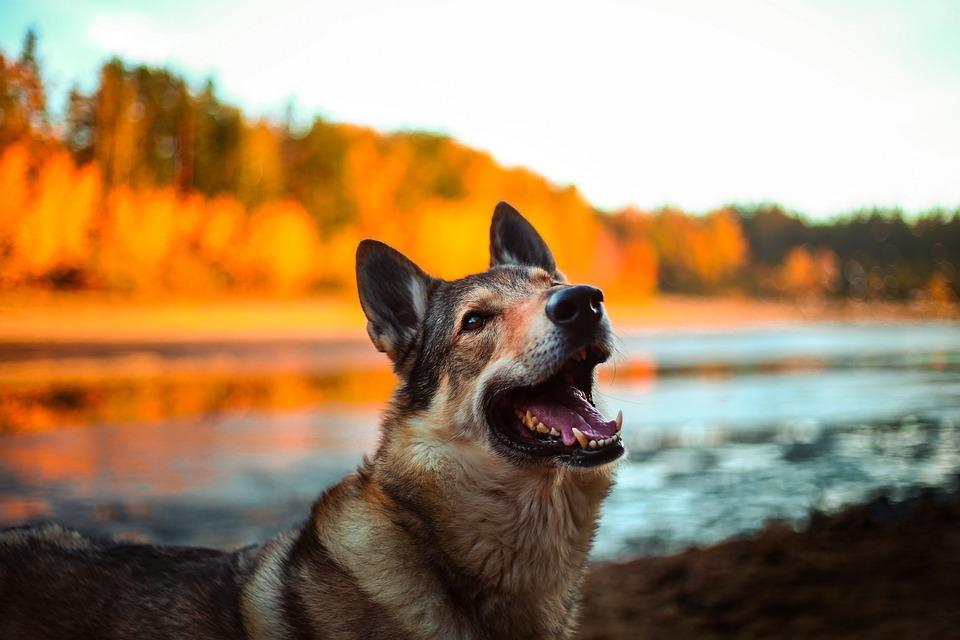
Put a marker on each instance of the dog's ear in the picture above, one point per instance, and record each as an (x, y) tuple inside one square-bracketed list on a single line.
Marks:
[(513, 240), (393, 294)]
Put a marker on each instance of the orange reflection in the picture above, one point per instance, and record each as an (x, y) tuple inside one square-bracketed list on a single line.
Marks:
[(43, 405)]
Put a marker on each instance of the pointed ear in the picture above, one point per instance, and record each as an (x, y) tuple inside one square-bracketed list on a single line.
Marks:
[(513, 240), (393, 294)]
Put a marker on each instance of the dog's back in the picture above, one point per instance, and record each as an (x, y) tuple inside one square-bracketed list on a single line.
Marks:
[(56, 583)]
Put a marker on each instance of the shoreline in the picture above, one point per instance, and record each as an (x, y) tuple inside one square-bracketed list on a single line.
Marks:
[(88, 319)]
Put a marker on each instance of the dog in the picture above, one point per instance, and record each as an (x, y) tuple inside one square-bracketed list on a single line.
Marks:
[(473, 520)]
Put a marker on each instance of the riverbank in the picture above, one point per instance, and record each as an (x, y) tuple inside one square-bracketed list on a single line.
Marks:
[(87, 318), (883, 569)]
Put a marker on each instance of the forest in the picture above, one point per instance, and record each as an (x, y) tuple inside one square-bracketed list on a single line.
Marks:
[(147, 186)]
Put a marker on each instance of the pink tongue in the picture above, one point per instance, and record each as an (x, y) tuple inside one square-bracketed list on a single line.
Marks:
[(563, 409)]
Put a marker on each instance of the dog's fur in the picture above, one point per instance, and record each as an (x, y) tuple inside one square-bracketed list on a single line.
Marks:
[(444, 533)]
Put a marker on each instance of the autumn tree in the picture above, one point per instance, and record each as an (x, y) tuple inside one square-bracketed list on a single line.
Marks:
[(23, 102)]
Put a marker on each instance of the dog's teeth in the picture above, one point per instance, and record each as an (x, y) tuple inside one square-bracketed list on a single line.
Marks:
[(554, 432), (582, 439), (542, 428), (525, 419), (593, 444), (619, 420)]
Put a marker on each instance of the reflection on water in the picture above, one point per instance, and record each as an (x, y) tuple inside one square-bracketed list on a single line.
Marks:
[(223, 444)]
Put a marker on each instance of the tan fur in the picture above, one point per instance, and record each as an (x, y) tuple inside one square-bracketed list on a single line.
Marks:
[(262, 595), (49, 533)]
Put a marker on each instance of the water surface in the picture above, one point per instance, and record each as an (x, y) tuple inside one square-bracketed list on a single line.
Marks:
[(224, 444)]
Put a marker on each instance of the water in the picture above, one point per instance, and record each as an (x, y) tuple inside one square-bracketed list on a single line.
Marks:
[(739, 428), (222, 445)]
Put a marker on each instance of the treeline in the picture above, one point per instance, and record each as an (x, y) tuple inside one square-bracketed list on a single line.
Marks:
[(148, 186)]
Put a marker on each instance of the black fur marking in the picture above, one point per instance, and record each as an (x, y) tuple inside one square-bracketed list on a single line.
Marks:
[(308, 567), (110, 590), (461, 589), (513, 240), (388, 282), (304, 551)]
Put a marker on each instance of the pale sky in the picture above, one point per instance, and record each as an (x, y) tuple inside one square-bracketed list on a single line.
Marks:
[(823, 106)]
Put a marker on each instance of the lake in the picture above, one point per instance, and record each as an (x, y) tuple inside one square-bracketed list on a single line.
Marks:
[(222, 444)]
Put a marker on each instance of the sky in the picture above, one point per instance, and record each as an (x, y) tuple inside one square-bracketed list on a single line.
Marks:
[(822, 106)]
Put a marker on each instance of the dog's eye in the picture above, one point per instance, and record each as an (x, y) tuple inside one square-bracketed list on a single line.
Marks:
[(473, 321)]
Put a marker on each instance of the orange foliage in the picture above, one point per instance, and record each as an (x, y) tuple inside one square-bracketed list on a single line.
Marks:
[(164, 190), (61, 225), (167, 190), (807, 272), (283, 247), (46, 221), (699, 251)]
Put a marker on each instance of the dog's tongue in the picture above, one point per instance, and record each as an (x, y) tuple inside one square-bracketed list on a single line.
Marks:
[(565, 408)]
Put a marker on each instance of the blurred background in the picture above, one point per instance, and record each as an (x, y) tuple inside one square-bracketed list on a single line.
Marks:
[(769, 194)]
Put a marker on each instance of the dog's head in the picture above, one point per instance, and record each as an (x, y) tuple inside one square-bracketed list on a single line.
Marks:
[(504, 358)]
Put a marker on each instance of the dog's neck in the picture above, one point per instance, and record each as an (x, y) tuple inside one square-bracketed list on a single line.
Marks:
[(516, 538)]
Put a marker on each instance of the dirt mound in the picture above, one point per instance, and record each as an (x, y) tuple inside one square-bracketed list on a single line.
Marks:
[(883, 569)]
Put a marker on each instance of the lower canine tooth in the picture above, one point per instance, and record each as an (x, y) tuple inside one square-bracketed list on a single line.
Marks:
[(582, 439)]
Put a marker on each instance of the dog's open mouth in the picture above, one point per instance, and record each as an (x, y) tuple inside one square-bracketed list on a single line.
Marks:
[(558, 418)]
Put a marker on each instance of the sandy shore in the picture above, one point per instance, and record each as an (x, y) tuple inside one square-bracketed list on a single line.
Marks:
[(879, 570), (86, 318)]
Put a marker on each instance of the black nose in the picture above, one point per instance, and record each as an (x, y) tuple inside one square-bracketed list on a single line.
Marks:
[(577, 308)]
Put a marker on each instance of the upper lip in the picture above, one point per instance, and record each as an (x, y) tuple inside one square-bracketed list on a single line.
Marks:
[(596, 352)]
